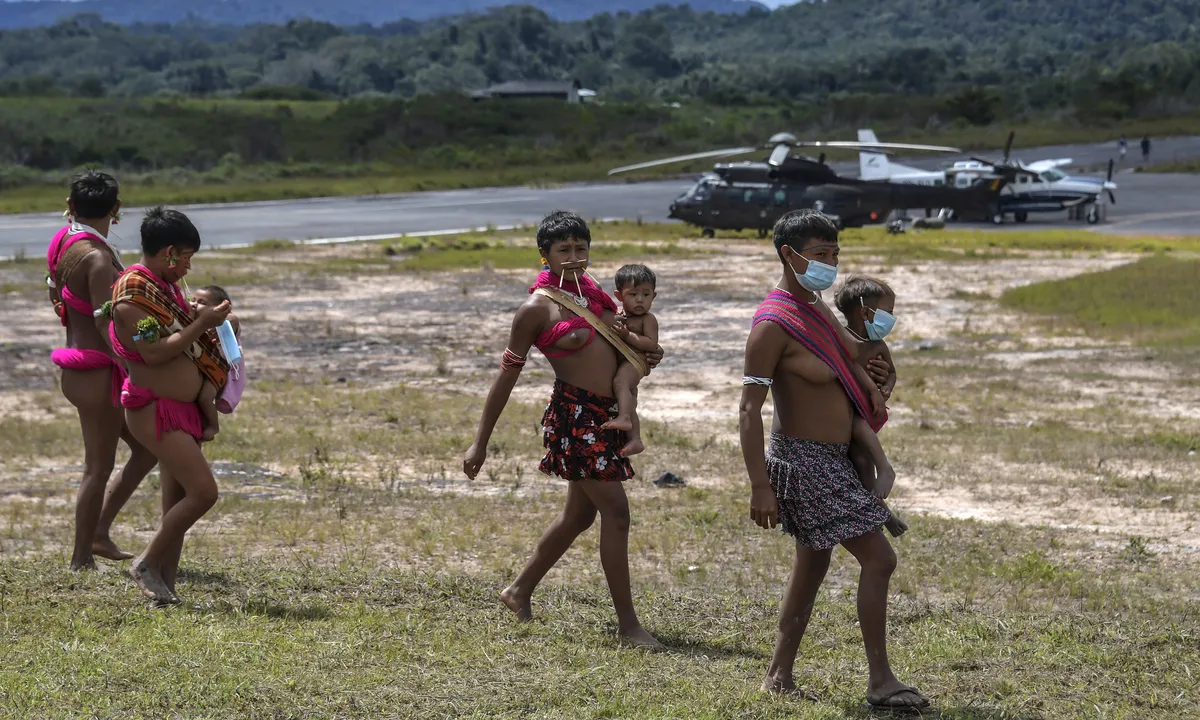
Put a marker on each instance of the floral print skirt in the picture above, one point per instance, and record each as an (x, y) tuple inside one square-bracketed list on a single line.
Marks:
[(576, 447), (822, 503)]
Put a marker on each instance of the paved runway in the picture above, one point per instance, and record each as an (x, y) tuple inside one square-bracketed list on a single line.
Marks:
[(1146, 204)]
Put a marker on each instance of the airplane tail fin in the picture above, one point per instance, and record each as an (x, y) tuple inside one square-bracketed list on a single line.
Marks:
[(872, 165)]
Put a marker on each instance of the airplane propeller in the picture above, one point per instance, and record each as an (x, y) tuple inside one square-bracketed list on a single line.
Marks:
[(781, 145), (1111, 197), (1006, 166)]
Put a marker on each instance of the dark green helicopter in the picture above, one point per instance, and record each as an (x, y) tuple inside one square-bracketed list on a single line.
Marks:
[(753, 195)]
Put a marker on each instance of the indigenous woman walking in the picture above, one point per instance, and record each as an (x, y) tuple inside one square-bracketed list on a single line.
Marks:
[(562, 316), (82, 268), (170, 354)]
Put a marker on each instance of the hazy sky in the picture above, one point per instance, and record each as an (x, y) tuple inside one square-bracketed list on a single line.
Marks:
[(768, 3)]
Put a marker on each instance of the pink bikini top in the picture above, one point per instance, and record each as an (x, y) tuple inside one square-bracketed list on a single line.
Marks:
[(546, 340), (598, 302), (58, 246)]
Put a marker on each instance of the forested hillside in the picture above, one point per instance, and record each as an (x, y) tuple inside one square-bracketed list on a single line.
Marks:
[(344, 12), (194, 111), (1101, 59)]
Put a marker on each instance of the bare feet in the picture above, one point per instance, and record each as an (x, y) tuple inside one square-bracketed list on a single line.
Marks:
[(642, 640), (633, 447), (107, 549), (885, 479), (786, 687), (88, 564), (519, 605), (623, 423), (151, 583), (895, 526)]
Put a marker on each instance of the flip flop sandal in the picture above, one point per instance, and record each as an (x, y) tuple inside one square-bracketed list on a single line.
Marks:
[(882, 703)]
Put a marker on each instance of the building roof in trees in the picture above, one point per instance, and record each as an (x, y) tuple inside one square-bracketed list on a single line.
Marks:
[(530, 87)]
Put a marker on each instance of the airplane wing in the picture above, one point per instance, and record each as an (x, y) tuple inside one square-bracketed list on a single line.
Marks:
[(1044, 165)]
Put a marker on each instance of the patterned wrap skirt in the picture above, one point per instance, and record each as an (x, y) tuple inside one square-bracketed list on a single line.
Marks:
[(821, 500), (576, 447)]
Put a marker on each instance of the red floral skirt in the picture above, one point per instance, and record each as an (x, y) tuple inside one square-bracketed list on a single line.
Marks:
[(576, 447)]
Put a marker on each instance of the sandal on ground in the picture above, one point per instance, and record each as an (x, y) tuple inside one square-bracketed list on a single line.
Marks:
[(886, 702)]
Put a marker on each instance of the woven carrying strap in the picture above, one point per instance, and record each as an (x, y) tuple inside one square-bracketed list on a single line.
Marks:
[(565, 300)]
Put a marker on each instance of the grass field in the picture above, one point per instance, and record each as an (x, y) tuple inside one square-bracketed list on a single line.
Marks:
[(1151, 301), (349, 570), (1181, 166)]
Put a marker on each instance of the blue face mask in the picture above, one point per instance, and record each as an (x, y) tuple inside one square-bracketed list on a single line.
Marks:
[(879, 326), (817, 277)]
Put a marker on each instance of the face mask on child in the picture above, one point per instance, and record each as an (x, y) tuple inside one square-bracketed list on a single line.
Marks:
[(879, 326)]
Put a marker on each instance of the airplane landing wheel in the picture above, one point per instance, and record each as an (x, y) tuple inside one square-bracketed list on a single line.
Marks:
[(1093, 215), (998, 219), (1021, 216), (707, 233)]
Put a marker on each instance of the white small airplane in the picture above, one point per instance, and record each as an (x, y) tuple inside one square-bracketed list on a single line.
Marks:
[(1036, 187)]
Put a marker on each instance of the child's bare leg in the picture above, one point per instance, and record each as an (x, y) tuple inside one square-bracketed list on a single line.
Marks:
[(885, 476), (894, 525), (208, 406), (624, 385), (635, 445), (860, 458), (865, 468)]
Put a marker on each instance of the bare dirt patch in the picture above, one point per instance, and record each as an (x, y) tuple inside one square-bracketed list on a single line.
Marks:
[(447, 330)]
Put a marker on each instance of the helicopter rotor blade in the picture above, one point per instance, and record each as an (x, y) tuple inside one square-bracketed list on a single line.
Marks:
[(876, 145), (1012, 134), (727, 152), (1112, 198), (1110, 169)]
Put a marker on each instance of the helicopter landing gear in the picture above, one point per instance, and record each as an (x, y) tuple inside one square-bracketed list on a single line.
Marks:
[(1020, 216), (762, 232), (708, 233), (998, 218)]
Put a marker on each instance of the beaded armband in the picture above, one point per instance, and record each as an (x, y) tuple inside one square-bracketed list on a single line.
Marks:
[(512, 361)]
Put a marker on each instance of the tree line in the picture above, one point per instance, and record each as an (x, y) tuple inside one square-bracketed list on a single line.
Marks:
[(980, 58)]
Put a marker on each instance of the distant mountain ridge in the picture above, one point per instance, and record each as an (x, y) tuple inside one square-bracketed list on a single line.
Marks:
[(344, 12)]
